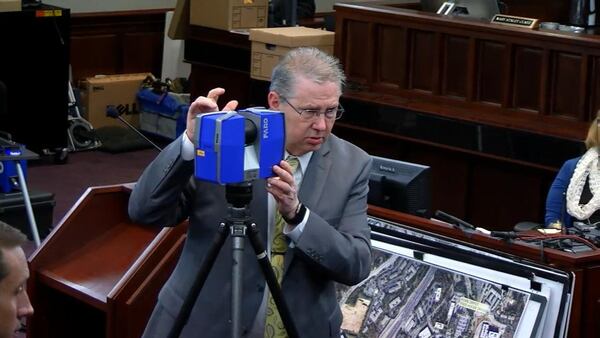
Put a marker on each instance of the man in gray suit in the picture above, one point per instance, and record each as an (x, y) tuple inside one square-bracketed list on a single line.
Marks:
[(323, 203)]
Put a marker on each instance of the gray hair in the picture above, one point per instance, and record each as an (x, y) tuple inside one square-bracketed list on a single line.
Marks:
[(9, 238), (308, 62)]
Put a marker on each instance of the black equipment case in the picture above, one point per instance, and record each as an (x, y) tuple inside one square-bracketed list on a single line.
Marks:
[(13, 212)]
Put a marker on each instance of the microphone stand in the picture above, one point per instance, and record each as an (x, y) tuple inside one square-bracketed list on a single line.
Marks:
[(111, 111)]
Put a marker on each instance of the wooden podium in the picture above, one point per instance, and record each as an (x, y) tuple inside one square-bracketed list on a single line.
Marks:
[(98, 274)]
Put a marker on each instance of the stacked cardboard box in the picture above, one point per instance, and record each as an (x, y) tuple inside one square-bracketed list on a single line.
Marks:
[(270, 44), (229, 14)]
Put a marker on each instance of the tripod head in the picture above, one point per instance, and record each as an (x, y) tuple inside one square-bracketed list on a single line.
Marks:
[(239, 195)]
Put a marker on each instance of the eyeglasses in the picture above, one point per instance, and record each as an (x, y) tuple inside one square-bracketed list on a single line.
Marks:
[(313, 114)]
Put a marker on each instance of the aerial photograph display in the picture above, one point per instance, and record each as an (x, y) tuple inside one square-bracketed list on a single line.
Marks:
[(409, 298)]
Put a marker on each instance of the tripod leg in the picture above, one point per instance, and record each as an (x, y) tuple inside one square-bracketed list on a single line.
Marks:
[(207, 264), (238, 233), (267, 270)]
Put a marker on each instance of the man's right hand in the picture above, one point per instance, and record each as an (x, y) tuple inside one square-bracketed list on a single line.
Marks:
[(206, 104)]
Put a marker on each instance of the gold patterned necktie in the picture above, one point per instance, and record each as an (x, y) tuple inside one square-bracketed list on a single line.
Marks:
[(274, 326)]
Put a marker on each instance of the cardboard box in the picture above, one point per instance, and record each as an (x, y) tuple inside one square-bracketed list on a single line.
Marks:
[(229, 14), (270, 44), (117, 90), (10, 5)]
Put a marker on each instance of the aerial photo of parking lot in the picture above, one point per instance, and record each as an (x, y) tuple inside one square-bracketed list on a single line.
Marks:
[(408, 298)]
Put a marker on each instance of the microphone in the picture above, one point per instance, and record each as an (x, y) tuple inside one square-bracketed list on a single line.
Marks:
[(111, 111), (504, 234), (453, 220)]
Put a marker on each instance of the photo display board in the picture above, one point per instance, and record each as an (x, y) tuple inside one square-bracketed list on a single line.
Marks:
[(422, 285)]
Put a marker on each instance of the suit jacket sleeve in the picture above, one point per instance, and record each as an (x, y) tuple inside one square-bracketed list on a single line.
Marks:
[(556, 199), (161, 196), (340, 247)]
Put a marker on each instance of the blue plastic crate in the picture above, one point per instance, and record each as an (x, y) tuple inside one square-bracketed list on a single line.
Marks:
[(8, 174), (162, 114)]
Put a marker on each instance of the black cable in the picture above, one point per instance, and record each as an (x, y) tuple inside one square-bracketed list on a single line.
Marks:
[(558, 237)]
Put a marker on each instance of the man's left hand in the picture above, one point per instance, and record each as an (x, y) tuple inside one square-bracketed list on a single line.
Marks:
[(283, 188)]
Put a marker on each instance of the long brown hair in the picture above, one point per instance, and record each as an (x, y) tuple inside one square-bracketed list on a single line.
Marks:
[(592, 139)]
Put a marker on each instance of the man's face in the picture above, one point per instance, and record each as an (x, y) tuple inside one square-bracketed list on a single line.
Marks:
[(302, 135), (14, 302)]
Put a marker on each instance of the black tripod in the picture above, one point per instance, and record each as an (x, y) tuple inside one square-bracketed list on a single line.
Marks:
[(238, 222)]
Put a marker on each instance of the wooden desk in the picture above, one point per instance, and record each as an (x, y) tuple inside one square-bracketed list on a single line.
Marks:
[(494, 110), (222, 59), (546, 82), (585, 313)]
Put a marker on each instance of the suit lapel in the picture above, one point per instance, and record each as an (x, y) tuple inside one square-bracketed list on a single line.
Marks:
[(313, 184), (315, 177)]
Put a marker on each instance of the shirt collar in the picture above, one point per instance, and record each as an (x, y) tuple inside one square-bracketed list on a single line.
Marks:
[(304, 160)]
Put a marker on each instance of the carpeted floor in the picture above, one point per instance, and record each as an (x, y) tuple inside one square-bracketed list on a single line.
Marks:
[(83, 170)]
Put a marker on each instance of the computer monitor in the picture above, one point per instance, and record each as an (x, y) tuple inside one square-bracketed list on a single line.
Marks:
[(283, 13), (482, 9), (400, 186), (431, 6)]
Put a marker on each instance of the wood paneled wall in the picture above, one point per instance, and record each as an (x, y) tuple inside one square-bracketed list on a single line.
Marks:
[(555, 10), (490, 192), (531, 80), (117, 43)]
